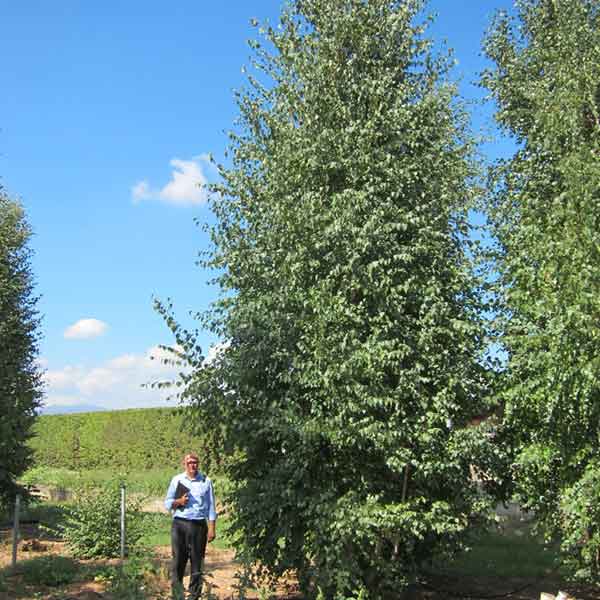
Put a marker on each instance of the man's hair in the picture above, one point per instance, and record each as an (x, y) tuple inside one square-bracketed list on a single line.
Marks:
[(189, 455)]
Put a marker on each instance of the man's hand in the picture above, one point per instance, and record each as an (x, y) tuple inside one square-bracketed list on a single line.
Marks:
[(212, 532), (182, 501)]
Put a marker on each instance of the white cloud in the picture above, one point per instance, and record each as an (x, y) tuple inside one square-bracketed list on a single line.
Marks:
[(124, 362), (100, 379), (62, 379), (117, 383), (186, 187), (85, 329)]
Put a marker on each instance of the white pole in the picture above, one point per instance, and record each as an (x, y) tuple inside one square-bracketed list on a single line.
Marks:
[(16, 530), (122, 521)]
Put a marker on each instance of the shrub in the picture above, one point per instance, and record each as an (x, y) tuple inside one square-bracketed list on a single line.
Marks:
[(92, 527), (50, 570)]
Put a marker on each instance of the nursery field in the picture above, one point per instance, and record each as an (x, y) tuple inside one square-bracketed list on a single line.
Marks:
[(57, 480), (119, 441)]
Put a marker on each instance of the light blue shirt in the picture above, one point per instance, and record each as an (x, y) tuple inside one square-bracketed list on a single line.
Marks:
[(201, 499)]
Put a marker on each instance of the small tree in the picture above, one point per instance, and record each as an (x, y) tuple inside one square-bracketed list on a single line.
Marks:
[(545, 210), (92, 527), (350, 373), (20, 383)]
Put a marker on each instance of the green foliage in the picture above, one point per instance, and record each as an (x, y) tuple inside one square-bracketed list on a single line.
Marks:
[(545, 214), (127, 440), (92, 526), (151, 482), (580, 526), (131, 580), (20, 382), (350, 367), (157, 529), (51, 570)]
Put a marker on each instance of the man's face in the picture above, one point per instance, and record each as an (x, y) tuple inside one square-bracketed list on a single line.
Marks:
[(191, 466)]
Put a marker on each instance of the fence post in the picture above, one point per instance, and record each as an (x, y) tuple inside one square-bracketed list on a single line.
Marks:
[(15, 539), (122, 521)]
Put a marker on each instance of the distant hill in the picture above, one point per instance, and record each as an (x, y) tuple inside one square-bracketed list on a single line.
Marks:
[(68, 409)]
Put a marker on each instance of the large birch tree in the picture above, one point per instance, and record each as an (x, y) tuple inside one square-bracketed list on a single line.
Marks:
[(350, 367)]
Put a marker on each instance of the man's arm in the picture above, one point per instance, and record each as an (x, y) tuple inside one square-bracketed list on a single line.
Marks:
[(171, 503), (212, 531), (212, 515)]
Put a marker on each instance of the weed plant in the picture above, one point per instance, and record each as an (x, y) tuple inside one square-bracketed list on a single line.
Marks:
[(51, 570), (134, 579)]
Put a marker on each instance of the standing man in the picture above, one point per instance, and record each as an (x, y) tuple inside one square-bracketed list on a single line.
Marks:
[(191, 498)]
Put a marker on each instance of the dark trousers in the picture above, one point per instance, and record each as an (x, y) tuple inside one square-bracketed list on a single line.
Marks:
[(188, 542)]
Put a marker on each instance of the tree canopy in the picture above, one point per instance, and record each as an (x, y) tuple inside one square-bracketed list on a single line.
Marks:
[(352, 359), (545, 213), (20, 383)]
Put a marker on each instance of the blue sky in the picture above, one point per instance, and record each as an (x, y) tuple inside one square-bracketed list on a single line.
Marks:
[(107, 112)]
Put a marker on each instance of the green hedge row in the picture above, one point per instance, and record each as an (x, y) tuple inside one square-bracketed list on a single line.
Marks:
[(148, 438)]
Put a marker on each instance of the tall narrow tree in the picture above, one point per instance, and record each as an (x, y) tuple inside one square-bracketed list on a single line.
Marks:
[(350, 366), (20, 384), (546, 216)]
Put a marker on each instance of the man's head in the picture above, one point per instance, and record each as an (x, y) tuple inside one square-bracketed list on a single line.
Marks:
[(190, 463)]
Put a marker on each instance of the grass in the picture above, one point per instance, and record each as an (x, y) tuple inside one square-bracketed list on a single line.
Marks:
[(511, 550), (149, 482), (158, 531), (51, 570)]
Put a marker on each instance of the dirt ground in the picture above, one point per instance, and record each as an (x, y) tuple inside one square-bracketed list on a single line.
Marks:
[(221, 570)]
